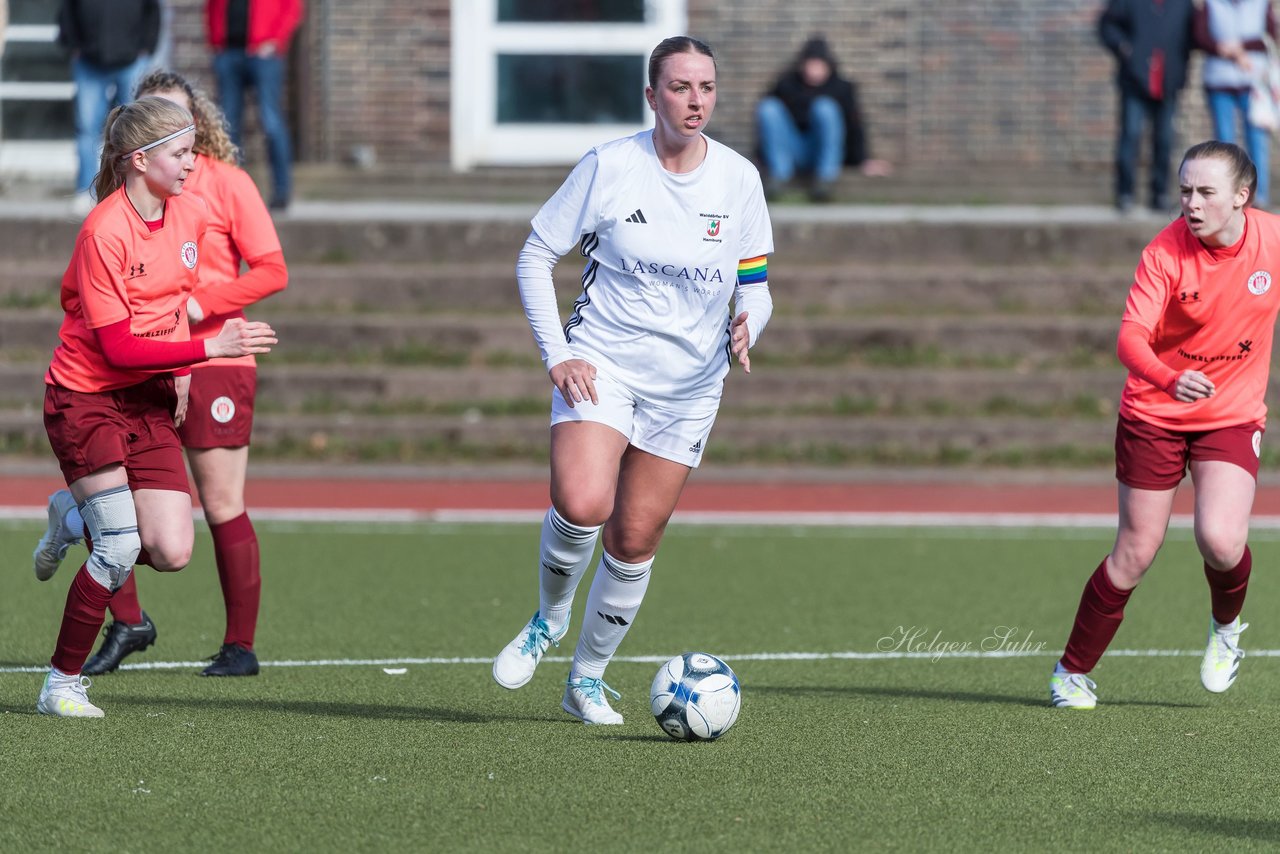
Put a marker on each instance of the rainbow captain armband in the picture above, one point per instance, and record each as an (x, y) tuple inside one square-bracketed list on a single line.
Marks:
[(752, 271)]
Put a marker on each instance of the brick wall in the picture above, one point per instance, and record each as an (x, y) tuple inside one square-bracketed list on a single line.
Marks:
[(945, 84), (369, 73)]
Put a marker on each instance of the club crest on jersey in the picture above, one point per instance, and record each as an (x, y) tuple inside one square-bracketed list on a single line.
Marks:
[(189, 254), (711, 226), (223, 409), (1260, 283)]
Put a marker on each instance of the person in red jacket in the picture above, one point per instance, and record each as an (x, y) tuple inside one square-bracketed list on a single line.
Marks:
[(1196, 337), (220, 416), (250, 39), (114, 391)]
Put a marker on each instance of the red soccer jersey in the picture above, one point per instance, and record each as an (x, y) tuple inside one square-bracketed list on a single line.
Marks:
[(240, 228), (122, 270), (1210, 310)]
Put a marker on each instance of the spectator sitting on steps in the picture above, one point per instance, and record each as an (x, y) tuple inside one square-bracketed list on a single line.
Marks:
[(810, 122)]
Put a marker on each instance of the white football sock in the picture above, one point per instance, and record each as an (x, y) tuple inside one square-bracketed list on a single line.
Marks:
[(615, 597), (563, 555)]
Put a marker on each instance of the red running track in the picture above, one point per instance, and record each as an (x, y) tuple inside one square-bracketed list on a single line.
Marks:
[(857, 497)]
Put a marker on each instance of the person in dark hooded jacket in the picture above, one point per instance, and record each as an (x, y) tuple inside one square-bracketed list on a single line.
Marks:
[(1151, 41), (809, 122), (110, 42)]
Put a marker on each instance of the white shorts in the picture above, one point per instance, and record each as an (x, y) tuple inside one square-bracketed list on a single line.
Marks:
[(674, 430)]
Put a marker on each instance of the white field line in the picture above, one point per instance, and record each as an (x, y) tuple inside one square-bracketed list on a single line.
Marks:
[(890, 519), (658, 659)]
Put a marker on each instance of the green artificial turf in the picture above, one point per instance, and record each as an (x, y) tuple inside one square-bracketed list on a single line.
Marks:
[(829, 754)]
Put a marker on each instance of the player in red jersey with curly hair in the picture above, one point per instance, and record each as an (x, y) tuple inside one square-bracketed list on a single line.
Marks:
[(112, 399), (1196, 337)]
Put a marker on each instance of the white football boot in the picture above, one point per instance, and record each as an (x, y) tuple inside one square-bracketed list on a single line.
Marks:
[(53, 546), (584, 699), (1071, 690), (1222, 655), (65, 697), (514, 666)]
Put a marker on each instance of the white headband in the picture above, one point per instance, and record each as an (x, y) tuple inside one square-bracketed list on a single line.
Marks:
[(162, 140)]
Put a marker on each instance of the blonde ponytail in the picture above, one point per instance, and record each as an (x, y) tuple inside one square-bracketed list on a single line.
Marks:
[(128, 128)]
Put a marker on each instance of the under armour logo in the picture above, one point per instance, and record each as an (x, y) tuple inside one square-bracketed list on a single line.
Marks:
[(1193, 296), (612, 618), (136, 270), (1245, 346), (638, 217)]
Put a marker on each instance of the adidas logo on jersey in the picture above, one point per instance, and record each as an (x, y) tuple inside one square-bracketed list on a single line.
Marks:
[(638, 216), (696, 447)]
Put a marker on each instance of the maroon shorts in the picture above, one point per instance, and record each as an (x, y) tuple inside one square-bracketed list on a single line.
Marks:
[(220, 412), (131, 426), (1150, 457)]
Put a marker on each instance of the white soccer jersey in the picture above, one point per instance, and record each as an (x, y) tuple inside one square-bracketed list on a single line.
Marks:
[(663, 252)]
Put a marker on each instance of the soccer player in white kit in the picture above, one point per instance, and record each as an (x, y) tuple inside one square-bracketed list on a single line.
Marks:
[(672, 224)]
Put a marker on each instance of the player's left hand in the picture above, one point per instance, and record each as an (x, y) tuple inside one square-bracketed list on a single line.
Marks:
[(182, 385), (740, 341)]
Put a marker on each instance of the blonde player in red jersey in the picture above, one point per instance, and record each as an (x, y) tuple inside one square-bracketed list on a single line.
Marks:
[(112, 400), (1196, 338), (220, 417)]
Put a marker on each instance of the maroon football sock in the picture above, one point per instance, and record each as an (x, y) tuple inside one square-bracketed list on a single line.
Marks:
[(1227, 588), (81, 620), (125, 606), (235, 546), (1099, 615)]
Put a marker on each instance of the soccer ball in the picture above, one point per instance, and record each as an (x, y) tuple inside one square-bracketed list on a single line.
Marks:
[(695, 697)]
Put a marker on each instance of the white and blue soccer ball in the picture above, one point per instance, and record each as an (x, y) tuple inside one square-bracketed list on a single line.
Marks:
[(695, 697)]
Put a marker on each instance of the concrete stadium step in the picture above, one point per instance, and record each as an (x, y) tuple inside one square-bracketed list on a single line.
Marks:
[(375, 234), (1052, 184), (835, 439), (374, 389), (442, 339), (382, 390), (808, 289), (298, 387)]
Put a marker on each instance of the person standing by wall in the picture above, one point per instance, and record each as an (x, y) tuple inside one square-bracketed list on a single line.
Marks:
[(1233, 35), (110, 42), (1151, 41), (250, 40)]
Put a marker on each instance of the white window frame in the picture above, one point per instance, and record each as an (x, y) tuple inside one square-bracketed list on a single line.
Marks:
[(478, 38), (52, 157)]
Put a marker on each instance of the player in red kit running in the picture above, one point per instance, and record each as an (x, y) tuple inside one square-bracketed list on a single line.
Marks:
[(1196, 338), (112, 400), (220, 417)]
